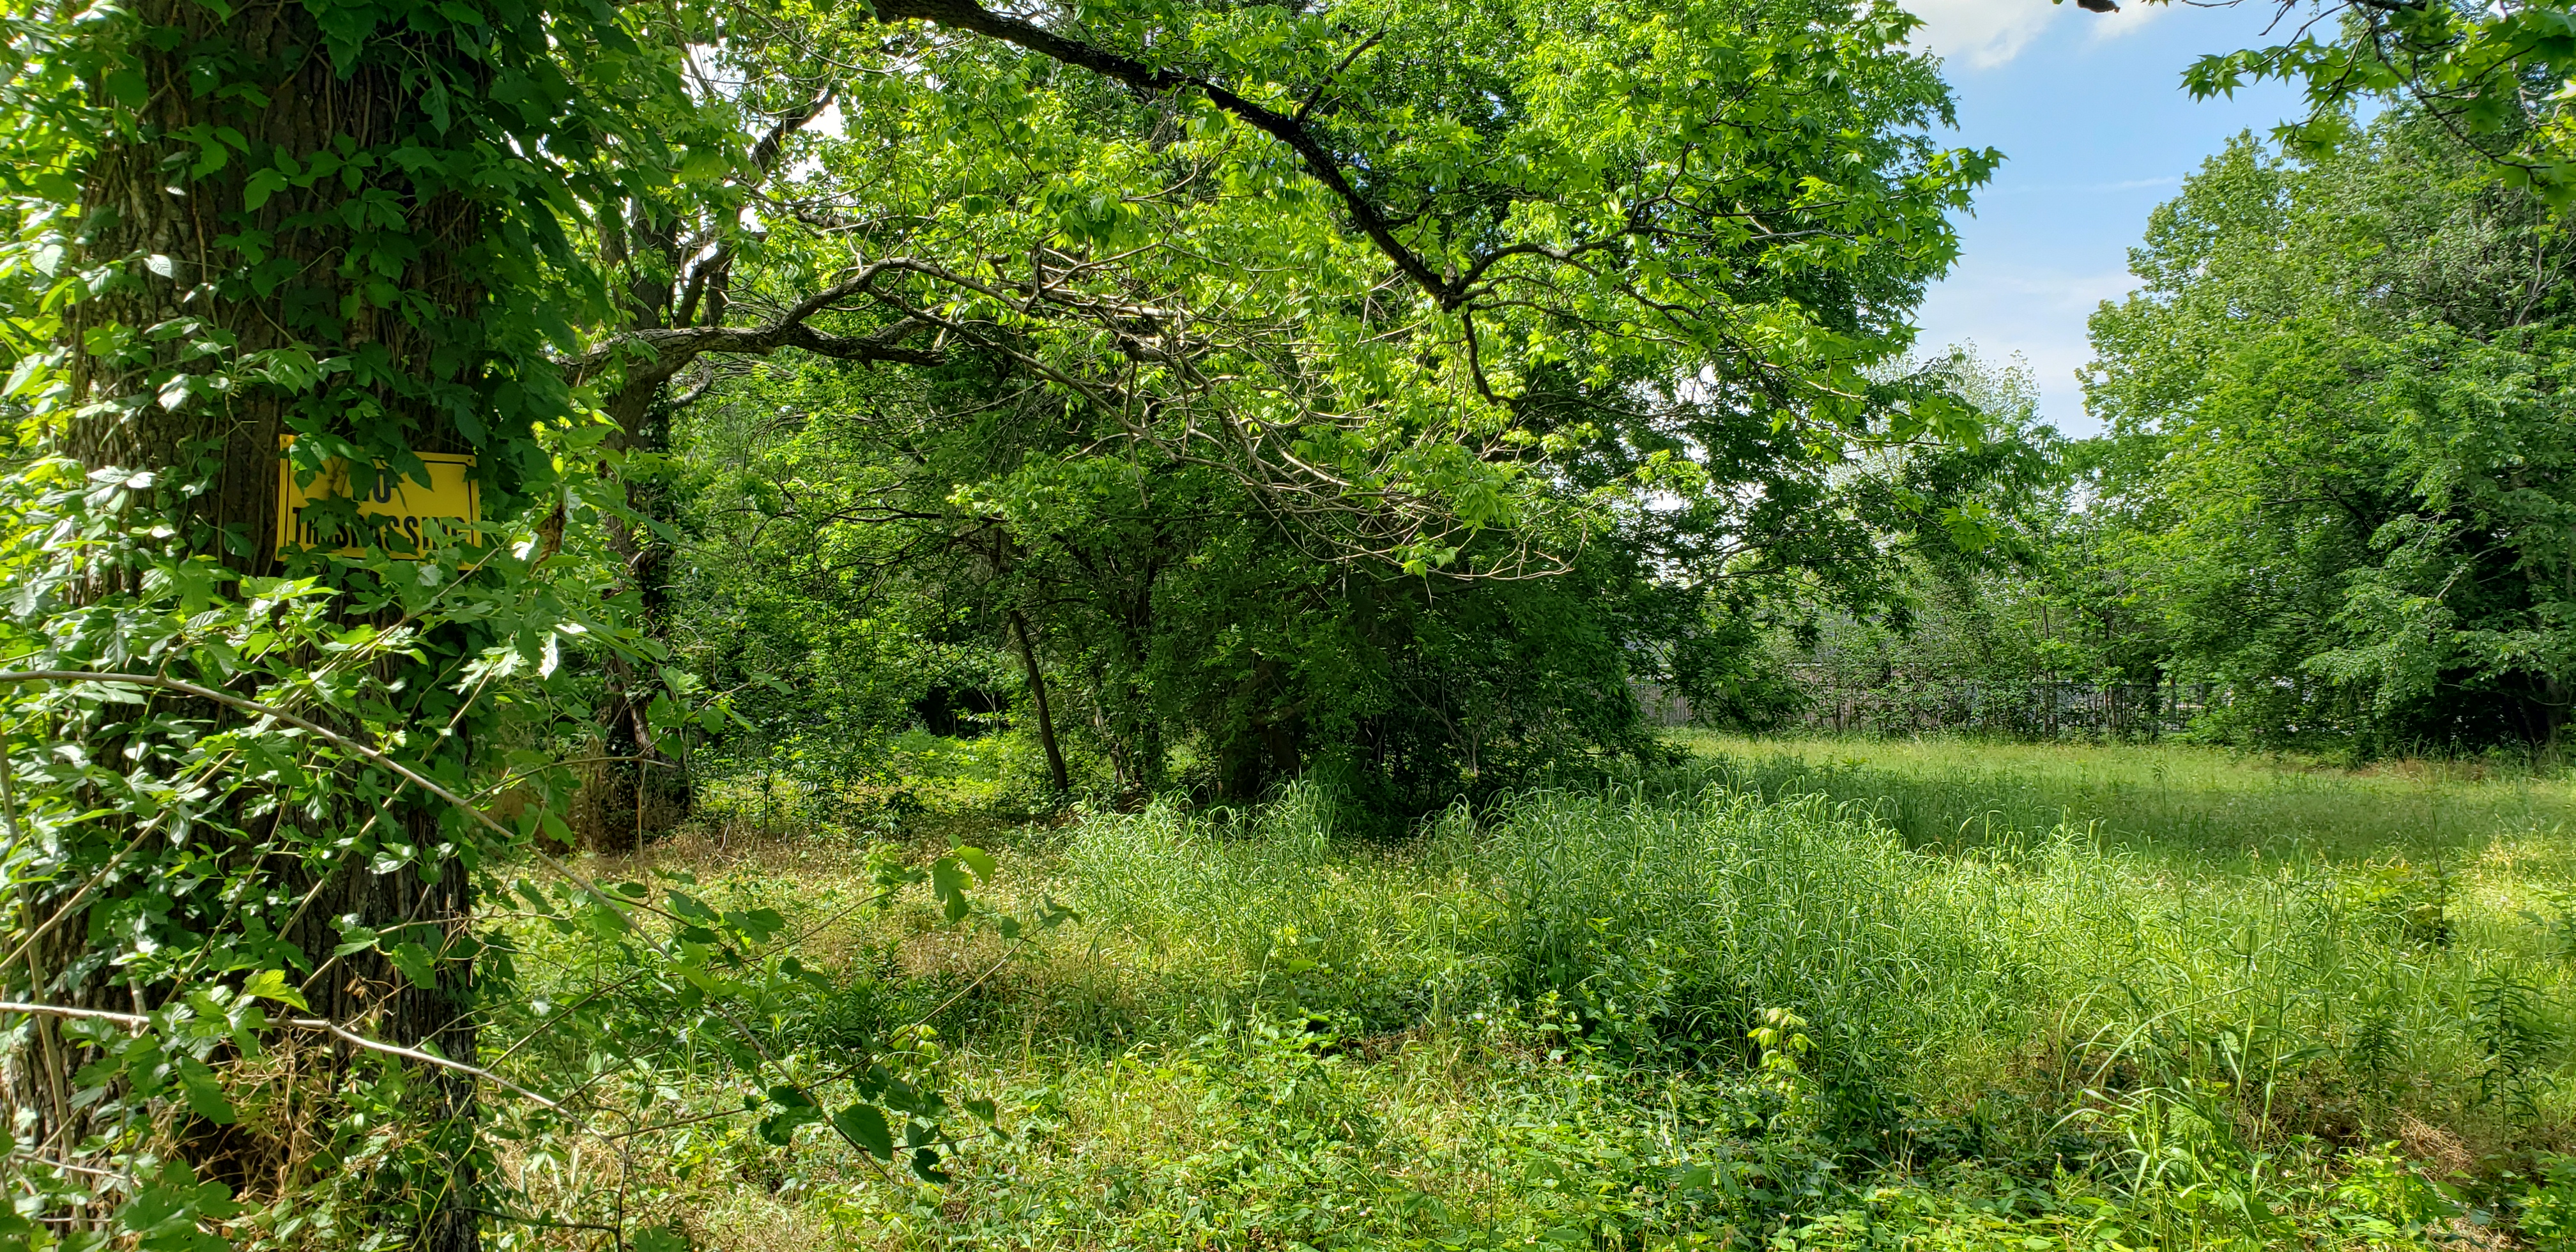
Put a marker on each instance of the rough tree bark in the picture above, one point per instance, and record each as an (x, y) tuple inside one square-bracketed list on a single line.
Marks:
[(171, 241)]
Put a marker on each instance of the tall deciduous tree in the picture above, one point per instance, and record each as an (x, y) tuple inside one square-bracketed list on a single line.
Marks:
[(339, 225), (2350, 454), (1440, 288)]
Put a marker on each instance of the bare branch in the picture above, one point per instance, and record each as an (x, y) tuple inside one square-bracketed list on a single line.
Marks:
[(353, 1038), (665, 351)]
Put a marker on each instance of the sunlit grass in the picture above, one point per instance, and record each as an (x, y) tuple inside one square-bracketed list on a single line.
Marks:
[(2168, 799), (2111, 982)]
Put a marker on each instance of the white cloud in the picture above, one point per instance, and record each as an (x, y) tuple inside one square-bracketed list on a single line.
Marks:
[(1983, 33), (1986, 33), (2037, 311)]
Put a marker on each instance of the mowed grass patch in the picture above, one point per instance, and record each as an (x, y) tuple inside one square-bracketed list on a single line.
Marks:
[(1536, 1024)]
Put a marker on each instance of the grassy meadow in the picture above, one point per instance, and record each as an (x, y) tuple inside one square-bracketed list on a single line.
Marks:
[(1821, 994)]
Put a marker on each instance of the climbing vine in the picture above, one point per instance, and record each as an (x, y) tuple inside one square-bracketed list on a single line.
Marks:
[(302, 250), (1409, 278)]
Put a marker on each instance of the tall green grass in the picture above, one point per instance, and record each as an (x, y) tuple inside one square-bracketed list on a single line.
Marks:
[(2140, 998), (2330, 996), (2169, 800)]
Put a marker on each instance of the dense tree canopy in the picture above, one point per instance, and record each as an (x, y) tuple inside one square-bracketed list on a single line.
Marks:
[(1190, 397), (1384, 387), (2348, 451), (1275, 457), (2333, 502)]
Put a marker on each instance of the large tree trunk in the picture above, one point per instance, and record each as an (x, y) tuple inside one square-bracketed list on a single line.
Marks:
[(175, 241)]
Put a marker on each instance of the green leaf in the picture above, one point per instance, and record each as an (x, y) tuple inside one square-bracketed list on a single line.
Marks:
[(704, 165), (262, 184), (755, 925), (665, 1238), (948, 885), (165, 1216), (270, 984), (605, 921), (866, 1127), (925, 1166), (204, 1094), (795, 1109), (417, 965)]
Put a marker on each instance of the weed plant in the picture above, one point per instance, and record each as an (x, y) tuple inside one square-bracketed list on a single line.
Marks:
[(1747, 1002)]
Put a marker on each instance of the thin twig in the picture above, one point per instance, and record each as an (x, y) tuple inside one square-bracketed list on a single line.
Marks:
[(334, 737), (228, 699), (355, 1039), (685, 1121)]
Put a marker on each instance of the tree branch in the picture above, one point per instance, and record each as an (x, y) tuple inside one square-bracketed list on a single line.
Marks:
[(670, 349), (966, 15), (352, 1037)]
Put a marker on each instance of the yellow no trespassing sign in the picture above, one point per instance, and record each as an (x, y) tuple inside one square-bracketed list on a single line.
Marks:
[(413, 518)]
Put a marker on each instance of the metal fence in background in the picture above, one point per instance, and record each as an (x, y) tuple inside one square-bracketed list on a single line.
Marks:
[(2035, 708)]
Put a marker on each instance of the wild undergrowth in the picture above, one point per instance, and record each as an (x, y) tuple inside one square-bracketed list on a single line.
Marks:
[(1708, 1008)]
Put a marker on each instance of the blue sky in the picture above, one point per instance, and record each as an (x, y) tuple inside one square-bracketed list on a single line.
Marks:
[(2089, 112)]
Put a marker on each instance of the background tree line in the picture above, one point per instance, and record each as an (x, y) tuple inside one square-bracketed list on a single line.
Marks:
[(2335, 490)]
